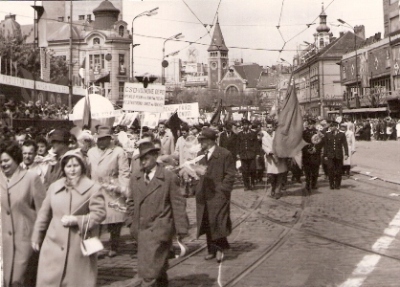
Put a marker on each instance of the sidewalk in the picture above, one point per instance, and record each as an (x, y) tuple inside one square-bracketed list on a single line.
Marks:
[(379, 159)]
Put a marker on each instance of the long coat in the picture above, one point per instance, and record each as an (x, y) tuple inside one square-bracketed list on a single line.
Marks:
[(61, 262), (229, 142), (167, 143), (335, 145), (214, 193), (110, 165), (351, 143), (159, 213), (247, 145), (21, 199), (275, 165)]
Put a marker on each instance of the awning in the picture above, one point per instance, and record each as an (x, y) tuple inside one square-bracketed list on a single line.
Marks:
[(365, 110), (103, 79)]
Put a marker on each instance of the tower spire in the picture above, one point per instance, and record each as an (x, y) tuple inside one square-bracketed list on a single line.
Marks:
[(217, 39)]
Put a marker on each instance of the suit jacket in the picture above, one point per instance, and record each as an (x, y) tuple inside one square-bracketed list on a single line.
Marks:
[(214, 193), (335, 145), (247, 145), (229, 142), (158, 212), (21, 200)]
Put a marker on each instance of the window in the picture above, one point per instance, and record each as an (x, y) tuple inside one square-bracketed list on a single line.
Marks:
[(120, 90), (96, 62), (89, 17), (81, 17), (121, 31), (96, 41), (321, 42), (122, 68), (61, 19)]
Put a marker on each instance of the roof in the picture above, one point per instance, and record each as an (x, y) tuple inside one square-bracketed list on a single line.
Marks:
[(27, 31), (340, 46), (63, 33), (250, 73), (217, 42), (106, 6), (268, 80)]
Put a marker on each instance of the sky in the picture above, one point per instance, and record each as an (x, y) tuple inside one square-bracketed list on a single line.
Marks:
[(249, 26)]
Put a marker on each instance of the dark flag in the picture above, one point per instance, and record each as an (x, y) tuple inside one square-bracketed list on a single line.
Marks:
[(174, 123), (216, 118), (288, 139), (87, 114)]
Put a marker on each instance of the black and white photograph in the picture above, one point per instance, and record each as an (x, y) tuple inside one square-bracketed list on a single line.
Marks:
[(200, 143)]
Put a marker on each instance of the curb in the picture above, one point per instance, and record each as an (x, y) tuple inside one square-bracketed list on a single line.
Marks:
[(381, 179)]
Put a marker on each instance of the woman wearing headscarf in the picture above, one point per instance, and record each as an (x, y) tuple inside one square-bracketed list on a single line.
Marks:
[(22, 194), (73, 205)]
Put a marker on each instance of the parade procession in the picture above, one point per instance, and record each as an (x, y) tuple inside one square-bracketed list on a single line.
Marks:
[(259, 147)]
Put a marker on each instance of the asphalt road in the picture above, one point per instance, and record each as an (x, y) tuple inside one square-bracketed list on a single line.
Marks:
[(347, 237)]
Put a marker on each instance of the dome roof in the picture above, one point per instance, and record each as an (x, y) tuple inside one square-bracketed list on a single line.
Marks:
[(9, 27), (63, 33), (322, 24), (105, 6), (323, 28)]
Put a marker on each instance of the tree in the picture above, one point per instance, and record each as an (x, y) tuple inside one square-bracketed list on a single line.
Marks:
[(27, 56)]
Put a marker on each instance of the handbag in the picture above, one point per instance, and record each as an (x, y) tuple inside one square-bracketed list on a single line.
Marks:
[(91, 245)]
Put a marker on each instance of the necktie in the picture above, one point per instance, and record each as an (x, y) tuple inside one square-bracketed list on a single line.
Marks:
[(147, 178), (206, 154)]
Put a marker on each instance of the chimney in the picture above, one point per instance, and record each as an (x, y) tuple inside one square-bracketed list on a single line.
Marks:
[(360, 31), (341, 33)]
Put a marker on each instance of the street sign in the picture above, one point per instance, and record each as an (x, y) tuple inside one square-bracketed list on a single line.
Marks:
[(140, 99)]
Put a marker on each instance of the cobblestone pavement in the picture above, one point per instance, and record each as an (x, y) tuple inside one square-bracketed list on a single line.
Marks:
[(318, 240)]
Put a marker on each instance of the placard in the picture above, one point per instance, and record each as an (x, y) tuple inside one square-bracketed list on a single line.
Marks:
[(150, 120), (188, 110), (140, 99)]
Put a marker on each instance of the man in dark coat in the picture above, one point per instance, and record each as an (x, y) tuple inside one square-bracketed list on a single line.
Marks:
[(228, 140), (312, 155), (248, 148), (213, 195), (335, 145), (159, 213)]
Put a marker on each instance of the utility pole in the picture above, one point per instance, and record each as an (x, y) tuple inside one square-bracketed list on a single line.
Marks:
[(70, 59)]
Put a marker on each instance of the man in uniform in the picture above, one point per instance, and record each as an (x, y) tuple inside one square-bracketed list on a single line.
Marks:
[(228, 140), (312, 155), (247, 150), (335, 144)]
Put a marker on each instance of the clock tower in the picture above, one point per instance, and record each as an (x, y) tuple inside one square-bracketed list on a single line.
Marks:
[(217, 58)]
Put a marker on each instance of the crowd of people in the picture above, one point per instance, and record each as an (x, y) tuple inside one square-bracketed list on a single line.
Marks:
[(62, 187)]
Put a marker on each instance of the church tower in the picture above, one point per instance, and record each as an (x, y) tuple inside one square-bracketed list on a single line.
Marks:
[(322, 37), (217, 58)]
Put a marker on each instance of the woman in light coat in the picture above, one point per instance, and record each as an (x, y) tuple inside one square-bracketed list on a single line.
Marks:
[(73, 203), (351, 143), (22, 194)]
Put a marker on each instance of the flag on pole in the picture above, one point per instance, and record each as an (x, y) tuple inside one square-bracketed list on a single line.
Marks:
[(87, 115), (174, 123), (288, 140), (216, 118)]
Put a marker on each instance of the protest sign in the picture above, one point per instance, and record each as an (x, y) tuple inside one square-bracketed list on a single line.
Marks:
[(150, 120), (140, 99), (125, 119), (188, 112)]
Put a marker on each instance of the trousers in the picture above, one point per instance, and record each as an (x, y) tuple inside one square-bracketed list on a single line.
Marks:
[(248, 171), (335, 167)]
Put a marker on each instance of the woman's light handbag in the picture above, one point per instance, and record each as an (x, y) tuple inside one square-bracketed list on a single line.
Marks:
[(91, 245)]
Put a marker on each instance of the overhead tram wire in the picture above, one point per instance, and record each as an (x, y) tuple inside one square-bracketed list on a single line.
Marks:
[(204, 25)]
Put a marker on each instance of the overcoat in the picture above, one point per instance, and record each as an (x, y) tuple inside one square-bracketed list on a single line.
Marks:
[(159, 212), (229, 142), (110, 165), (247, 145), (335, 145), (21, 200), (167, 143), (61, 262), (274, 165), (214, 193), (351, 143)]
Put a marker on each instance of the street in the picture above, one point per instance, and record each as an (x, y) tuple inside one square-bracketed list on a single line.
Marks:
[(346, 237)]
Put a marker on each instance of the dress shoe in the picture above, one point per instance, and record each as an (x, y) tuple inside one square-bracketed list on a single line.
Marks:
[(112, 253), (278, 195), (209, 256), (332, 187), (220, 256)]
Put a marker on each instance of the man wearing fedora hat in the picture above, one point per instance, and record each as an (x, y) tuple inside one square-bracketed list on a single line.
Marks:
[(109, 166), (159, 213), (213, 194)]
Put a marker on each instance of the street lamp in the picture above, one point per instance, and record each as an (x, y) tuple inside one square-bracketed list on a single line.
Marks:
[(145, 13), (165, 64), (355, 49)]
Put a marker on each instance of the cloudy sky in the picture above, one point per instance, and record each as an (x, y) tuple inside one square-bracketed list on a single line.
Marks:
[(248, 26)]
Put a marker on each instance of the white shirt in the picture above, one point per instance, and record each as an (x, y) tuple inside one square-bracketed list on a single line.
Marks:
[(210, 152), (152, 172)]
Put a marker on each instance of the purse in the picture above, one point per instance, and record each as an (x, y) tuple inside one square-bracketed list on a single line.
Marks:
[(91, 245)]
